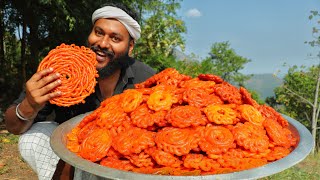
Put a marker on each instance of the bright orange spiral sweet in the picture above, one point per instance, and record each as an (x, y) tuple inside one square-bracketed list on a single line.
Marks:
[(96, 145), (216, 140), (77, 67), (280, 136), (133, 141), (142, 116), (140, 160), (251, 114), (185, 116), (252, 137), (199, 161), (164, 158), (117, 163), (173, 124), (177, 141), (221, 114)]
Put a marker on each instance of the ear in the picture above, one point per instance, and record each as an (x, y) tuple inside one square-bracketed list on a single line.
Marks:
[(131, 46)]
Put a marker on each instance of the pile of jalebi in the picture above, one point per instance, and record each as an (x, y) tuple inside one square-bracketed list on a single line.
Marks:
[(173, 124), (77, 67)]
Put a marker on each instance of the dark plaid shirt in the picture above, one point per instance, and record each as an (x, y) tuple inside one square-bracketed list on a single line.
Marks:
[(136, 72)]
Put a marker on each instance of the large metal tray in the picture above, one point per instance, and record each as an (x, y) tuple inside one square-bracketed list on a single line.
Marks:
[(58, 144)]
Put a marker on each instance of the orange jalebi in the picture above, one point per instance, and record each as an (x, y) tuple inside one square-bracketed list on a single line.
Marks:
[(221, 114), (73, 143), (164, 158), (277, 153), (228, 93), (77, 67), (269, 113), (161, 100), (210, 77), (177, 141), (251, 114), (199, 97), (173, 124), (96, 145), (111, 118), (142, 116), (199, 161), (141, 160), (252, 137), (185, 116), (131, 100), (197, 83), (279, 135), (117, 163), (133, 141), (247, 99), (216, 140)]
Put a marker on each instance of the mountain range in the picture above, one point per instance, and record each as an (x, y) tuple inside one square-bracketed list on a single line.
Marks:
[(264, 84)]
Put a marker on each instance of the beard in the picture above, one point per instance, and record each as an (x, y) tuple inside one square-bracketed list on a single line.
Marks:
[(116, 62)]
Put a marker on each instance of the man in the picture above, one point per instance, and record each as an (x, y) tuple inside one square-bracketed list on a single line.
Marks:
[(115, 30)]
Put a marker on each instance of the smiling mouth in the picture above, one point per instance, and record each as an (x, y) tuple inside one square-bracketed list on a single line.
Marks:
[(100, 53)]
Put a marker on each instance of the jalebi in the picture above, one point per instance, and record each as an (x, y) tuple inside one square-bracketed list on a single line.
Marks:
[(77, 67), (173, 124)]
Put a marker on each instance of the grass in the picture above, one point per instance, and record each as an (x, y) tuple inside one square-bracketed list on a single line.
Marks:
[(4, 170), (308, 169), (8, 138)]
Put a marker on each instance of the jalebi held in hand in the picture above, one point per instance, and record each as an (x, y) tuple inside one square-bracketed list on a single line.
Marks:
[(77, 67), (173, 124)]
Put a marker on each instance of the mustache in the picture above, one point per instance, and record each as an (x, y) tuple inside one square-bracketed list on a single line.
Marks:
[(104, 51)]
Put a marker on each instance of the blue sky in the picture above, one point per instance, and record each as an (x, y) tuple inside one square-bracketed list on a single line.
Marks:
[(268, 32)]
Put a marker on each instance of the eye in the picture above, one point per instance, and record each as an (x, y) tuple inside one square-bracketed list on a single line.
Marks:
[(99, 33), (115, 39)]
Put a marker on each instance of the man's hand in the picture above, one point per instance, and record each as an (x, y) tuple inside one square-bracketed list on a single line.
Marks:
[(39, 90)]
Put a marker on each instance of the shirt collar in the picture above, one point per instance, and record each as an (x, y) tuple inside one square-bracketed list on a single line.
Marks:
[(125, 76)]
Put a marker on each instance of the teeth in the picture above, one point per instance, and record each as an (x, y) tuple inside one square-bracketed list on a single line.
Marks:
[(101, 54)]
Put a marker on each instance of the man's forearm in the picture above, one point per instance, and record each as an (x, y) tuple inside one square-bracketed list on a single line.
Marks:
[(15, 125)]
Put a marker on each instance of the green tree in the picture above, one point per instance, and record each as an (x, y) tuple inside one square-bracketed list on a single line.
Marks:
[(299, 95), (189, 65), (225, 62), (256, 96), (300, 91), (162, 32)]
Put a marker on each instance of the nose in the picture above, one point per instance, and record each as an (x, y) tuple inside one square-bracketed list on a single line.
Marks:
[(104, 42)]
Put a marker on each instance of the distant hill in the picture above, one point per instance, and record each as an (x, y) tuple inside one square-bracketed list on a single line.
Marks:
[(264, 84)]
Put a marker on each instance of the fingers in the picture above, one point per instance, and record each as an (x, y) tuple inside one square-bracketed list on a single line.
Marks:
[(46, 97), (39, 75), (39, 88), (41, 79)]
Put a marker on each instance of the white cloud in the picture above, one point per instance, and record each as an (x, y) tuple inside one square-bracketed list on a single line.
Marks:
[(193, 13)]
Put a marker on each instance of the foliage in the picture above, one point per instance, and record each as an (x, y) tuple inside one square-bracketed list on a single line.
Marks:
[(315, 30), (225, 62), (162, 32), (256, 96), (300, 92), (303, 82), (189, 65)]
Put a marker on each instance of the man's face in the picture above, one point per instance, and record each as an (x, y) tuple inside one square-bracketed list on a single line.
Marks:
[(110, 40)]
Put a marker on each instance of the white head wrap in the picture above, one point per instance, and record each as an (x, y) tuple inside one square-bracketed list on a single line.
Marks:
[(131, 25)]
